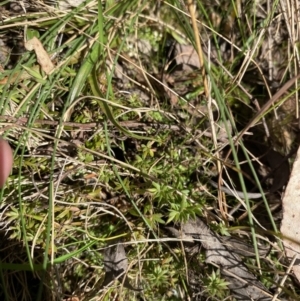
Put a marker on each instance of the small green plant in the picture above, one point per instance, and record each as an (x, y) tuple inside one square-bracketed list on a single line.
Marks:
[(162, 275), (183, 210), (215, 285), (220, 228), (160, 193), (119, 77)]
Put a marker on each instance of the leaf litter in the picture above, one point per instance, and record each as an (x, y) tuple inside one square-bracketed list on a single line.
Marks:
[(243, 284), (116, 264)]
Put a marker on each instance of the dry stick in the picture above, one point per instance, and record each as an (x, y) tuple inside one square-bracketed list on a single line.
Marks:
[(191, 8), (198, 44), (281, 285), (267, 105), (221, 198), (10, 122)]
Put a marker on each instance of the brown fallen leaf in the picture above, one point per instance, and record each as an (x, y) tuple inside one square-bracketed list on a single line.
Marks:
[(41, 54)]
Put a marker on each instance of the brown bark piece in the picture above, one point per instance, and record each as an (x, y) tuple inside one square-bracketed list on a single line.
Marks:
[(290, 225)]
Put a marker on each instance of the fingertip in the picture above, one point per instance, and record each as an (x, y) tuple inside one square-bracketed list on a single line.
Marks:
[(6, 161)]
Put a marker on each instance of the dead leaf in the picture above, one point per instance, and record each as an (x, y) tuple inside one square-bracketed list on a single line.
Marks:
[(242, 248), (187, 56), (115, 264), (290, 225), (67, 4), (41, 54), (222, 134), (242, 283)]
